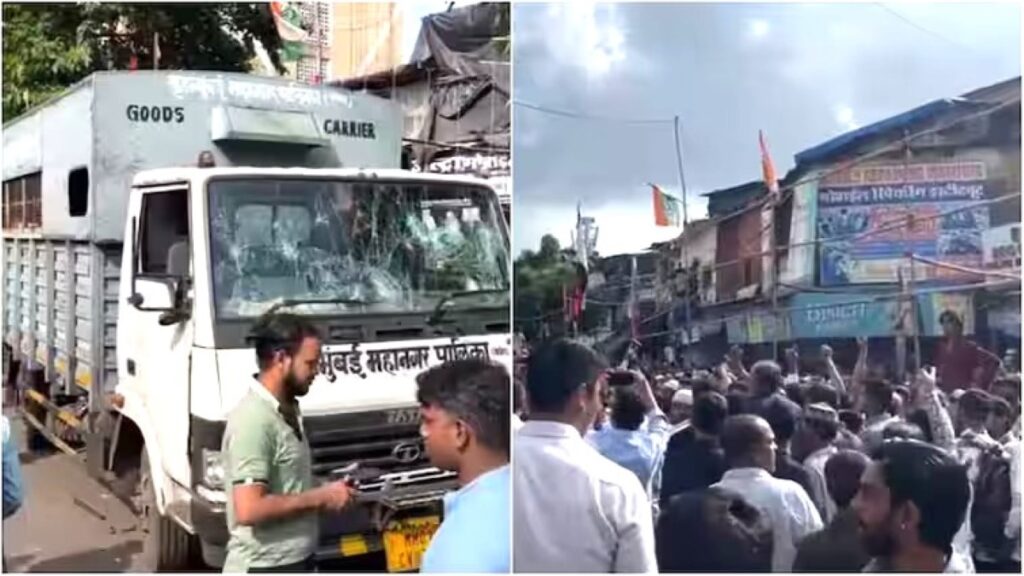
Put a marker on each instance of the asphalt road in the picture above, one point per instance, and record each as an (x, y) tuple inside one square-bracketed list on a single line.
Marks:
[(71, 523)]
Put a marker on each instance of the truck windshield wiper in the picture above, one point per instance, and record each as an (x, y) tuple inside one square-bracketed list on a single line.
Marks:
[(442, 306), (289, 302)]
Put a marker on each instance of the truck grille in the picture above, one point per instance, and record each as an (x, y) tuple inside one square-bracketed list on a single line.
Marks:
[(338, 441)]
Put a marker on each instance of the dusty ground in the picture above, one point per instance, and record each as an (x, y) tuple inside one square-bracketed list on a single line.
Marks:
[(71, 523)]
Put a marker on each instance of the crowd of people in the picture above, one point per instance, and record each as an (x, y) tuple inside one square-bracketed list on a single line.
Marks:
[(764, 468)]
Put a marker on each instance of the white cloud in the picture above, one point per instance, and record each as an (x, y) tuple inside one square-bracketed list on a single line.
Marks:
[(586, 36), (844, 116), (759, 29)]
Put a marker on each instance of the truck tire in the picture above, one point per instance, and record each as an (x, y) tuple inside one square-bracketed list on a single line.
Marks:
[(166, 546)]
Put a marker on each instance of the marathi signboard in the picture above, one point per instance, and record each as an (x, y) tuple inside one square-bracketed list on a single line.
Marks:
[(853, 315), (863, 216)]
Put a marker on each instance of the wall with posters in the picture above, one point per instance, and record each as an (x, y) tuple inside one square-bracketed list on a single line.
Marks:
[(860, 210)]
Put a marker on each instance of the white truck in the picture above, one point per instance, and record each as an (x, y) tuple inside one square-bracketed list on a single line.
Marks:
[(151, 217)]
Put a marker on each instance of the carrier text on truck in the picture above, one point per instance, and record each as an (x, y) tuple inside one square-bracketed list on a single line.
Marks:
[(151, 217)]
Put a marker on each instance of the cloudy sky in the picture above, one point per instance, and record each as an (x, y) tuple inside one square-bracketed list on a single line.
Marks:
[(801, 72)]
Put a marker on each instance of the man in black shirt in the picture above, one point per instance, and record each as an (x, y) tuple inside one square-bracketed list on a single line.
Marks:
[(693, 458)]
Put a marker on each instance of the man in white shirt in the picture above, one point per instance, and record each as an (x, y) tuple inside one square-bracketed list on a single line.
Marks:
[(573, 509), (816, 437), (749, 445)]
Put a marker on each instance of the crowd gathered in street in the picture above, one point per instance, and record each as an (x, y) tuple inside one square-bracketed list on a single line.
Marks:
[(753, 466)]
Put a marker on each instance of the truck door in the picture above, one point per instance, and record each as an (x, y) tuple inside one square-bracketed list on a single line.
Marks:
[(160, 317)]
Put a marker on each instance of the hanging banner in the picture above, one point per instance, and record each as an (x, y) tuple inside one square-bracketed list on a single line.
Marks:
[(863, 215), (797, 265)]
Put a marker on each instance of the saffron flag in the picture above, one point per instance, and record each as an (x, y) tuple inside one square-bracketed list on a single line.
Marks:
[(767, 167), (289, 28), (666, 208)]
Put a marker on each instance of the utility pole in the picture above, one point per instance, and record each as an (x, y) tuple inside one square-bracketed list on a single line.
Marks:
[(156, 50), (686, 229), (773, 263), (902, 329)]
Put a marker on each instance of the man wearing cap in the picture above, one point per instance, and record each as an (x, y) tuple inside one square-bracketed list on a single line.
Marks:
[(962, 363), (816, 438), (681, 409)]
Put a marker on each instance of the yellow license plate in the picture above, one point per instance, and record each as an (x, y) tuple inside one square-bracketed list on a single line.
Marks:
[(406, 540)]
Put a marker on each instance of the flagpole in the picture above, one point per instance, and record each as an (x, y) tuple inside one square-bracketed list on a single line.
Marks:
[(686, 222)]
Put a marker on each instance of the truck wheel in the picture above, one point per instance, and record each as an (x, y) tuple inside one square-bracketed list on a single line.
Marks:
[(166, 546)]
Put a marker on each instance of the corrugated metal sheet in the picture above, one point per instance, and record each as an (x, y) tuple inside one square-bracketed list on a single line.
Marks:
[(850, 140)]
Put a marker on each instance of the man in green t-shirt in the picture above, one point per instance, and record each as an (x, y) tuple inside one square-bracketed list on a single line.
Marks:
[(273, 506)]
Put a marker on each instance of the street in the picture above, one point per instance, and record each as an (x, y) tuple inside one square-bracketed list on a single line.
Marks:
[(69, 522)]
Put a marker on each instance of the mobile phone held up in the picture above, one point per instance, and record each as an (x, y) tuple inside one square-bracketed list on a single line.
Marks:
[(617, 378)]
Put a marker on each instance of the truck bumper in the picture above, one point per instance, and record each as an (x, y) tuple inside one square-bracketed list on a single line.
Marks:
[(210, 523)]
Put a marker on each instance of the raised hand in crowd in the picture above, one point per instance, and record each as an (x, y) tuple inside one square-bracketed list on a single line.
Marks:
[(734, 359), (926, 397), (833, 371)]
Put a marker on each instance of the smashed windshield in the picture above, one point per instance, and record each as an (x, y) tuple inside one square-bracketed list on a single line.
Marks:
[(382, 246)]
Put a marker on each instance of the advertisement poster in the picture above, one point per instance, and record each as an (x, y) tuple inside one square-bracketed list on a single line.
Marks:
[(863, 211), (852, 315)]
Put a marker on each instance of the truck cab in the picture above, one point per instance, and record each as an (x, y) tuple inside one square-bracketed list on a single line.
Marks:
[(151, 217), (399, 271)]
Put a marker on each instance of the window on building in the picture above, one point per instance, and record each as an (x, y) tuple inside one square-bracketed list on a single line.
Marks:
[(706, 277), (23, 202), (318, 21), (1015, 235), (306, 70), (748, 271), (78, 192)]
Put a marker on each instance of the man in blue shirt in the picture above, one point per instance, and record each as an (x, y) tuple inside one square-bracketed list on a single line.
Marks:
[(465, 407), (638, 434), (11, 476)]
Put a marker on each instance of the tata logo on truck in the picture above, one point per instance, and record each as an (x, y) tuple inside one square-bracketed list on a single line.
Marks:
[(155, 114)]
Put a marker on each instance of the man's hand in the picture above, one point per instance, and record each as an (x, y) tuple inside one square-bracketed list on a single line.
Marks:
[(643, 387), (925, 381), (735, 360), (793, 359), (722, 377), (333, 496), (862, 344), (826, 352)]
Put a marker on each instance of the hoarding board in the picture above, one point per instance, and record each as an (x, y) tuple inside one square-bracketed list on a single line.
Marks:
[(863, 214), (855, 315)]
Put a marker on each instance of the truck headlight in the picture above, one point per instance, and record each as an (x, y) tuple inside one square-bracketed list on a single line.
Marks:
[(213, 469)]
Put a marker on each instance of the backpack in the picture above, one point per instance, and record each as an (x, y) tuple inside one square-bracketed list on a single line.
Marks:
[(992, 502)]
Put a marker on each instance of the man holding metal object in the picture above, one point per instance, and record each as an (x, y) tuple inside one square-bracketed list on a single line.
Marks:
[(273, 505)]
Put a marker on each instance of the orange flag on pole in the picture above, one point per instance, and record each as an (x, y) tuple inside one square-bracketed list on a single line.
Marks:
[(666, 208), (767, 167)]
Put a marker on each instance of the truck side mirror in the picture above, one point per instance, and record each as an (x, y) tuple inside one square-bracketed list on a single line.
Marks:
[(157, 295)]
